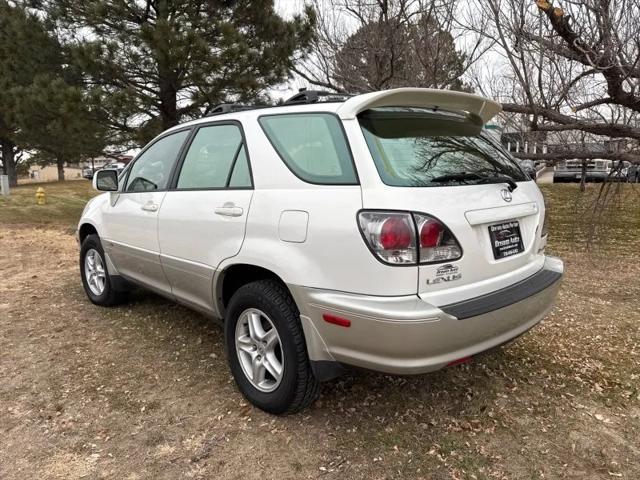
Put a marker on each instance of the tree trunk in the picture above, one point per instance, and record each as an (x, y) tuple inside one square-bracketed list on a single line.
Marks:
[(60, 165), (583, 177), (168, 100), (167, 78), (9, 161)]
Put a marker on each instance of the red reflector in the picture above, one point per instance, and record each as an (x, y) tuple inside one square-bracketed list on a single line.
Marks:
[(430, 234), (459, 361), (395, 234), (343, 322)]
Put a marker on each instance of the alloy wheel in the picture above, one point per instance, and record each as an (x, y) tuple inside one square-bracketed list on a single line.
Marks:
[(94, 272), (259, 350)]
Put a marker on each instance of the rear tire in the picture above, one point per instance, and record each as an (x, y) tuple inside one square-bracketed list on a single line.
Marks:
[(95, 278), (295, 387)]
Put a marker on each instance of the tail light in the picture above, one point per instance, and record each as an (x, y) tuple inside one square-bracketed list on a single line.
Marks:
[(391, 236), (437, 243), (400, 238)]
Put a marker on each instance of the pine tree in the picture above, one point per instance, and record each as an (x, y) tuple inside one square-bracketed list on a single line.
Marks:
[(158, 62), (44, 106), (25, 51), (61, 122)]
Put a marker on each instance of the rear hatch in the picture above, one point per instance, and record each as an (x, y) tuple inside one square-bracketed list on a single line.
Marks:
[(444, 165), (469, 212)]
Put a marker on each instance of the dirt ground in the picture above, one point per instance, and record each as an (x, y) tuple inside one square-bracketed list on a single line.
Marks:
[(143, 391)]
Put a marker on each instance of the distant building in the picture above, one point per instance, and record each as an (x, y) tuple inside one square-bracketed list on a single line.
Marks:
[(72, 170), (99, 162)]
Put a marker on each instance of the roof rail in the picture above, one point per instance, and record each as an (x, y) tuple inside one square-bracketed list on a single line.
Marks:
[(314, 96), (227, 108)]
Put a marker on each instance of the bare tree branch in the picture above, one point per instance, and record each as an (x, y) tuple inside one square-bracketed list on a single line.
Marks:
[(567, 122)]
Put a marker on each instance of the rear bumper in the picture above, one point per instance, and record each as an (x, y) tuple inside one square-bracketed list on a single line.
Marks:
[(406, 335)]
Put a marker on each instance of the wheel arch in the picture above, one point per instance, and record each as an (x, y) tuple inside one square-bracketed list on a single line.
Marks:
[(85, 229), (236, 275)]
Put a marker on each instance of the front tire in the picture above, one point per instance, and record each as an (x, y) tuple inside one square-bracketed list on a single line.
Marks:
[(266, 348), (95, 277)]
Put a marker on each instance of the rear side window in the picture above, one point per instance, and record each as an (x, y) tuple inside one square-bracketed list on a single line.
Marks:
[(414, 147), (216, 155), (313, 146)]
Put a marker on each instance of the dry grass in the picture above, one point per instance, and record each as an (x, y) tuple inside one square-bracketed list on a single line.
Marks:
[(65, 201), (143, 390)]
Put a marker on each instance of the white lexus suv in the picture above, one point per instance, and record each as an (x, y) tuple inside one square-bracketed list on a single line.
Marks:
[(386, 231)]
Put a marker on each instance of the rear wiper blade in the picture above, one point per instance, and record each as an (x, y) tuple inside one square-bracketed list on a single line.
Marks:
[(500, 179), (464, 176)]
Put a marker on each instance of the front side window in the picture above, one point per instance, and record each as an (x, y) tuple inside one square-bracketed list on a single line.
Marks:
[(313, 146), (151, 171), (214, 157), (414, 147)]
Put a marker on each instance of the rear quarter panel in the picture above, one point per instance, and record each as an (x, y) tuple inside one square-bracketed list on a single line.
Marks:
[(333, 256)]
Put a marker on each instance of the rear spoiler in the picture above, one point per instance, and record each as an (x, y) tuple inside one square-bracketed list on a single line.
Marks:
[(421, 97)]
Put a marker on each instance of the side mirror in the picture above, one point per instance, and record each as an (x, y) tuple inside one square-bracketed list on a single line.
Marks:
[(106, 180)]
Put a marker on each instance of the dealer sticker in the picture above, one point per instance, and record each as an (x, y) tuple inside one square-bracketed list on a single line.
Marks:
[(445, 273)]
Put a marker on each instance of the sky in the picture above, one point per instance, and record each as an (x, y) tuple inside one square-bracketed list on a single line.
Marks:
[(287, 8)]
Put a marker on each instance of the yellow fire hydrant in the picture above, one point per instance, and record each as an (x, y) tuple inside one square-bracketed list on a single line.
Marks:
[(41, 197)]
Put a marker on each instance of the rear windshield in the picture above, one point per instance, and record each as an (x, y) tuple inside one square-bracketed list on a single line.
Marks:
[(415, 147)]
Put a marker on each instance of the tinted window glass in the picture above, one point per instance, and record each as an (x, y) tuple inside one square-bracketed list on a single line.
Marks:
[(241, 176), (151, 171), (419, 148), (312, 145), (210, 157)]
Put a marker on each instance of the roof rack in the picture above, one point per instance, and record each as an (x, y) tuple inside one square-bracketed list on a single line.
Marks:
[(229, 107), (315, 96), (303, 96)]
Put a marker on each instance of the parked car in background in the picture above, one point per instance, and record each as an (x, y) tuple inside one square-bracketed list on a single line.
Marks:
[(529, 167), (571, 170), (118, 166), (87, 173), (384, 231), (619, 171)]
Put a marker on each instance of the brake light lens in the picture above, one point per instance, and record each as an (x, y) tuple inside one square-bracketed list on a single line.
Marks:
[(430, 233), (391, 236), (395, 234), (437, 243), (400, 238)]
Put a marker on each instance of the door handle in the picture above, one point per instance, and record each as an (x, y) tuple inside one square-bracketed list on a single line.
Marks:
[(150, 207), (229, 210)]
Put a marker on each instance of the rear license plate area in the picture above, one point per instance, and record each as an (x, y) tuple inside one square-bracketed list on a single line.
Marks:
[(506, 239)]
